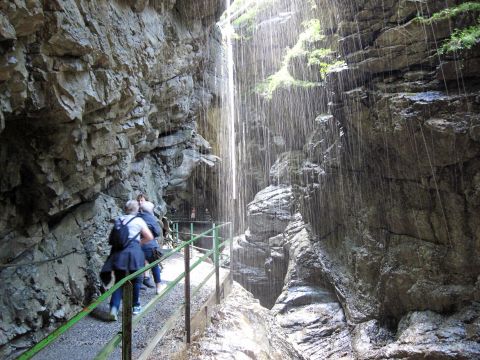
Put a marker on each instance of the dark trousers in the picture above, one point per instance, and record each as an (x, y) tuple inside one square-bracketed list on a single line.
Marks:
[(156, 269), (116, 298)]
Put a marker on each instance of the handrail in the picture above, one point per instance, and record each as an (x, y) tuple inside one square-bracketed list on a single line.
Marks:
[(185, 233), (89, 308), (168, 325)]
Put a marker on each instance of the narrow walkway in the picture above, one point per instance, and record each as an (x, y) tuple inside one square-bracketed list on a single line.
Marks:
[(85, 339)]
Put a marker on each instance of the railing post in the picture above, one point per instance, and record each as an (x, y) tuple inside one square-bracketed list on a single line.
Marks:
[(187, 288), (127, 321), (231, 247), (177, 232), (216, 257)]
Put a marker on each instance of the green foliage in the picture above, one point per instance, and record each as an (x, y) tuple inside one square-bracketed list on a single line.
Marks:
[(451, 12), (247, 18), (323, 58), (318, 56), (462, 39), (325, 68), (311, 34), (251, 9), (238, 4), (456, 10), (281, 79)]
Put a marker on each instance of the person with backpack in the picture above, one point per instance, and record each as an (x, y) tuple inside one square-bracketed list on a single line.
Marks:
[(126, 256), (152, 248), (147, 282)]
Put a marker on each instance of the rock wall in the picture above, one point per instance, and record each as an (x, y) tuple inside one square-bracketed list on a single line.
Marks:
[(382, 160), (241, 314), (99, 101)]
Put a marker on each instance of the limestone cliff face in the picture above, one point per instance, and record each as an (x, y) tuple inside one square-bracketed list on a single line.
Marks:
[(99, 100), (375, 131)]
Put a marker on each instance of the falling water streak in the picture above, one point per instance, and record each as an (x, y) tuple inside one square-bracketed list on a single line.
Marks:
[(231, 103), (228, 187), (442, 207)]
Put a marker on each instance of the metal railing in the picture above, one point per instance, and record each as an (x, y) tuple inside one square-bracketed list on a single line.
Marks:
[(128, 322)]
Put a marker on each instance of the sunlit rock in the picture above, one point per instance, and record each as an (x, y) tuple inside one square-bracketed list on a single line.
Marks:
[(241, 328), (259, 256), (422, 334), (270, 211), (7, 31)]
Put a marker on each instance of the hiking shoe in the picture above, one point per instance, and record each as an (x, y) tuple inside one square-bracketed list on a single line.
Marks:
[(113, 314), (160, 287), (136, 310), (148, 282)]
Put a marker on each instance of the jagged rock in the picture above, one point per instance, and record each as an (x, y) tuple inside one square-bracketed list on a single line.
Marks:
[(7, 31), (386, 176), (422, 335), (259, 256), (287, 168), (261, 337), (199, 9), (270, 211), (48, 292), (190, 160), (139, 5), (98, 98), (307, 310), (26, 16)]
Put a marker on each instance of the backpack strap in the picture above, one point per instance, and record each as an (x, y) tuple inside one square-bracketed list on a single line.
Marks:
[(129, 221), (130, 240)]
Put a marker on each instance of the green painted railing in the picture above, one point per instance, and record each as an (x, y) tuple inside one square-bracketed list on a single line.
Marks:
[(127, 321)]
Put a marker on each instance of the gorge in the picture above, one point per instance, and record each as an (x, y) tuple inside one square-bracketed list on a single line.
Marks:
[(356, 174)]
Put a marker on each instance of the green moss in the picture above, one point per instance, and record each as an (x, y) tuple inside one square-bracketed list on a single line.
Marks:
[(281, 79), (324, 58), (238, 4), (250, 11), (335, 65), (451, 12), (246, 21), (462, 39), (319, 56), (456, 10), (311, 33)]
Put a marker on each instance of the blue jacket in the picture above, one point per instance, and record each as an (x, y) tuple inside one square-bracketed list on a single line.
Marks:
[(154, 227)]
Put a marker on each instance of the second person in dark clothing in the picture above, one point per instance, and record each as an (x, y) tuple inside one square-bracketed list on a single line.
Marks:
[(149, 248), (127, 260)]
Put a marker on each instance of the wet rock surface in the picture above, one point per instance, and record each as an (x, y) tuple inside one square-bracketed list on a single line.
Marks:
[(241, 328), (308, 309), (259, 256), (384, 181), (422, 334)]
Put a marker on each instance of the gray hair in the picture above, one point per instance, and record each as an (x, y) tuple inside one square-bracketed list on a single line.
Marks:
[(131, 207), (147, 206)]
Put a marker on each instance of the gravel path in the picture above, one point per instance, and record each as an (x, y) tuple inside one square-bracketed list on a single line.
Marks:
[(87, 337)]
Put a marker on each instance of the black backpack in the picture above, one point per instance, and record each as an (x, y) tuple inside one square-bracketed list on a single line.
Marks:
[(119, 235)]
